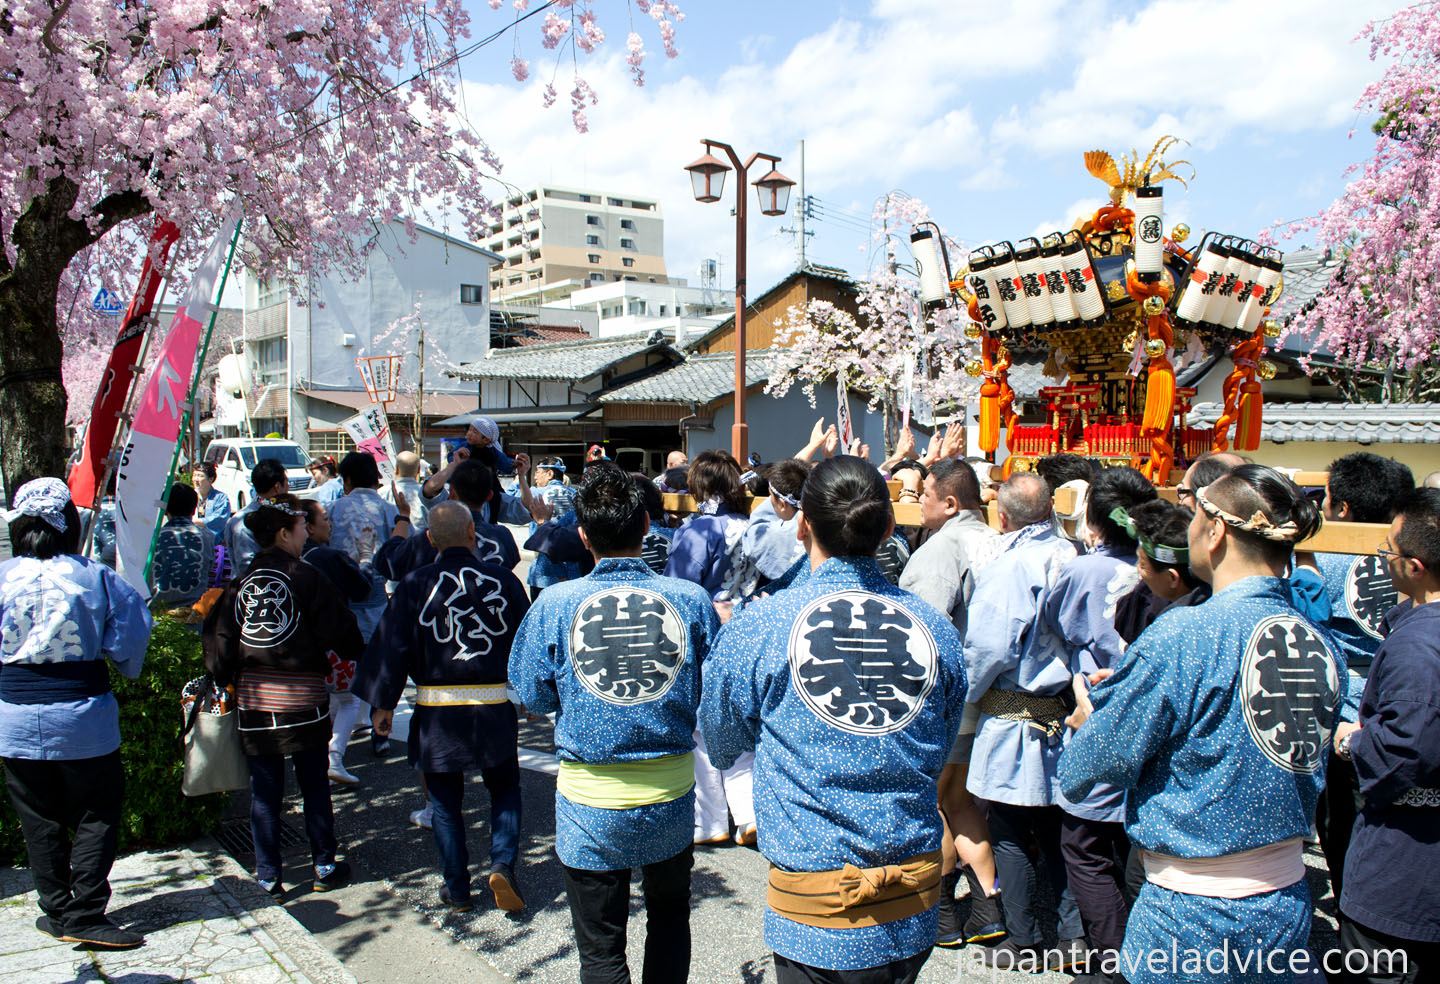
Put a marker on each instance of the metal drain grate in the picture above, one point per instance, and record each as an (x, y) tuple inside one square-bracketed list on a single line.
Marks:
[(234, 836)]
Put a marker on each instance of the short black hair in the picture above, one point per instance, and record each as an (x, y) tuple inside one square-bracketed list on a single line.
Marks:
[(208, 469), (312, 510), (1210, 467), (676, 479), (654, 501), (1369, 484), (1419, 512), (31, 536), (787, 476), (360, 470), (181, 501), (268, 473), (758, 484), (264, 522), (957, 478), (847, 506), (1166, 524), (1057, 469), (1258, 488), (472, 483), (1122, 487), (610, 509), (910, 464)]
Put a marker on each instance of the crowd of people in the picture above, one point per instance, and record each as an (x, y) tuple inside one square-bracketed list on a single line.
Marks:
[(1123, 720)]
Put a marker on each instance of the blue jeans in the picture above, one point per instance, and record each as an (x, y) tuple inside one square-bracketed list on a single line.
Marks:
[(267, 793), (448, 823)]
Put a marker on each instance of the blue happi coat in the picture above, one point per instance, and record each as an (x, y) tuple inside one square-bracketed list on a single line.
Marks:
[(1217, 723), (449, 623), (770, 542), (1009, 647), (183, 561), (60, 620), (616, 657), (400, 555), (240, 544), (214, 511), (360, 521), (849, 691), (707, 551), (1360, 596), (1078, 612)]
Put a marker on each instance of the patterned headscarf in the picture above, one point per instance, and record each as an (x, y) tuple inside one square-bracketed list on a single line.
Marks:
[(42, 498), (487, 428)]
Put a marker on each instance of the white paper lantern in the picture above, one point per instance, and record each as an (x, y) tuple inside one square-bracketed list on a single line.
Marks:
[(1012, 291), (1260, 294), (1054, 272), (1032, 281), (934, 282), (1202, 283), (1149, 238), (1080, 280), (986, 290), (1219, 301)]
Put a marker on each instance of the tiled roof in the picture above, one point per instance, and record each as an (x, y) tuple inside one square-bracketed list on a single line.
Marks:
[(561, 360), (699, 379), (1361, 423)]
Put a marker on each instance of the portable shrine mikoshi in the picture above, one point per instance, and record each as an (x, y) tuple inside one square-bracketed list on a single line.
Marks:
[(1117, 300)]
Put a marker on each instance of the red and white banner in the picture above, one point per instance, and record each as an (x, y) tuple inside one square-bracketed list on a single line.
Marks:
[(88, 472), (370, 430), (142, 480)]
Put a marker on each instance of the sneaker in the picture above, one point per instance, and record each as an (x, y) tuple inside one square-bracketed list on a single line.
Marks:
[(746, 835), (985, 924), (505, 888), (339, 774), (272, 887), (1072, 955), (329, 877), (449, 901), (49, 927), (1010, 956), (950, 931), (103, 936), (379, 744), (423, 818)]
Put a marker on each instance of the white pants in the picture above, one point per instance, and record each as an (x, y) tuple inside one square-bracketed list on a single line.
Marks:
[(722, 795), (345, 710)]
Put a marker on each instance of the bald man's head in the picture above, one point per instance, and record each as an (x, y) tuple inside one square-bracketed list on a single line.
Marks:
[(451, 525), (1024, 500), (1432, 480), (407, 464), (1209, 468)]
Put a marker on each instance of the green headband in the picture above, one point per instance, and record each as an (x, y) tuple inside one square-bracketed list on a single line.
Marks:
[(1174, 556)]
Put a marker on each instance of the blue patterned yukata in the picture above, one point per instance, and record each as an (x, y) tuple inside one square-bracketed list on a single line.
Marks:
[(183, 561), (360, 521), (707, 551), (544, 571), (240, 545), (849, 691), (1217, 724), (1360, 596), (616, 657), (214, 511)]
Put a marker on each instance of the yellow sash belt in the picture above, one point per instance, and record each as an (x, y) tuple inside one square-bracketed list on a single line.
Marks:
[(623, 785)]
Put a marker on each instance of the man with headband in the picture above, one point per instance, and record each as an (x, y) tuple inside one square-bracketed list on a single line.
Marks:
[(1216, 724), (482, 442)]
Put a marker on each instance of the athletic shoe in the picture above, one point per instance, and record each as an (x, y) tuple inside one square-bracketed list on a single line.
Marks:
[(339, 774), (450, 903), (273, 888), (1009, 956), (950, 932), (1072, 955), (103, 936), (329, 877), (746, 835), (422, 817), (49, 927), (985, 924), (505, 888)]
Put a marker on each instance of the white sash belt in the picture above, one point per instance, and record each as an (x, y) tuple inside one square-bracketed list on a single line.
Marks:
[(461, 696), (1233, 876)]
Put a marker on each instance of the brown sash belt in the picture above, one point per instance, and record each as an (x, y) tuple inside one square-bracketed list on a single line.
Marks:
[(853, 897)]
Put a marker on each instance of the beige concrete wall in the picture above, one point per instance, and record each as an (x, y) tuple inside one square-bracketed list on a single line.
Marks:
[(1317, 455)]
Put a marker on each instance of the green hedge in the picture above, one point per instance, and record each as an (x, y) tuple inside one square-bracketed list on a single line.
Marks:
[(156, 813)]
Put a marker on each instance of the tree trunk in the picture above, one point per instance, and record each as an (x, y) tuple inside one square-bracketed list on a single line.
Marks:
[(33, 441)]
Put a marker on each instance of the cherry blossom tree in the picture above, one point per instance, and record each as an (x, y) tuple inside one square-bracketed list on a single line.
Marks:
[(327, 118), (1383, 306), (891, 339)]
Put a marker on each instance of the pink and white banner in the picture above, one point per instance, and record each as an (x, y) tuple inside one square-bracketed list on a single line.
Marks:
[(370, 430), (143, 478)]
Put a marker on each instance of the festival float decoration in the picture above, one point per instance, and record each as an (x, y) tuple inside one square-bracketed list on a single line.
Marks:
[(1116, 302)]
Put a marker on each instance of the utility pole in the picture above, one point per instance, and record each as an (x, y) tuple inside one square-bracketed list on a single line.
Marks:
[(802, 212), (419, 428)]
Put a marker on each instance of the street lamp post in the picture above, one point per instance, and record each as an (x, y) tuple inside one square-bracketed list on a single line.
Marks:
[(707, 176)]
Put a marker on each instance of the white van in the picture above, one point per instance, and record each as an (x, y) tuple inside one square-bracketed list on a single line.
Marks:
[(234, 457)]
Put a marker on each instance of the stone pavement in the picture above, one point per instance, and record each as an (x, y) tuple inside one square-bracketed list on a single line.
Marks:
[(203, 917)]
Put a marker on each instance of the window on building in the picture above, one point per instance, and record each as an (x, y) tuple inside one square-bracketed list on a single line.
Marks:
[(494, 285), (592, 240), (627, 260), (535, 275), (616, 202), (270, 292), (592, 220), (593, 257), (597, 275), (662, 310), (631, 278), (472, 294), (627, 244), (336, 443), (652, 280), (627, 224), (513, 281), (584, 198)]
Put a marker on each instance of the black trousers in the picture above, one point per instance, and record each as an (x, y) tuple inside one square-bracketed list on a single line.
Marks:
[(1016, 832), (1360, 961), (70, 816), (905, 971), (1340, 804), (1095, 857), (600, 909)]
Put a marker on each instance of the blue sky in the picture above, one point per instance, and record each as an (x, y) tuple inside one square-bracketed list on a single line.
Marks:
[(979, 110)]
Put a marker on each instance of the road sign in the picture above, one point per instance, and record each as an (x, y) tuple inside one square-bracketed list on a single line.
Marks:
[(107, 303)]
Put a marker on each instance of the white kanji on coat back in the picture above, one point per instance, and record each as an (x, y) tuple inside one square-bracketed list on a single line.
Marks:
[(265, 609), (1290, 688), (627, 645), (862, 663), (1369, 595), (466, 609)]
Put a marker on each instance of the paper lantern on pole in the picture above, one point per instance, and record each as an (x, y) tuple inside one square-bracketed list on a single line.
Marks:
[(1085, 292), (934, 280), (1054, 272), (1012, 291), (1200, 285), (1219, 301), (1149, 233), (1246, 273), (1255, 304), (1032, 283), (982, 284)]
